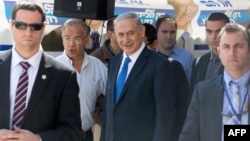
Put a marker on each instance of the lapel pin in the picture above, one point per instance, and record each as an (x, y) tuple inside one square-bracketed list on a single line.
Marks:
[(44, 76)]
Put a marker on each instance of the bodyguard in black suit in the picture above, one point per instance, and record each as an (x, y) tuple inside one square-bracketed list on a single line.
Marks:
[(202, 65), (52, 110), (145, 110)]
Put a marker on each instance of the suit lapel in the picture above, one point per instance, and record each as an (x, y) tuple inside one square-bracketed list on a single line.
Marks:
[(42, 78), (248, 109), (5, 91), (248, 87), (113, 72), (218, 104), (205, 63), (137, 68)]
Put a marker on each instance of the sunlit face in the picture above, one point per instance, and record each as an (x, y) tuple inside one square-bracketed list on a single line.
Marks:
[(129, 35), (27, 39), (234, 53), (212, 30), (74, 41), (166, 35), (185, 10)]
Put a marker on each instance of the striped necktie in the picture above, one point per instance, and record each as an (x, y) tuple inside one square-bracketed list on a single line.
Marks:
[(21, 92)]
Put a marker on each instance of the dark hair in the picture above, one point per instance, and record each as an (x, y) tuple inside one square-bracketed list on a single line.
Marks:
[(162, 18), (31, 5), (150, 33), (248, 27), (248, 31), (217, 16), (110, 23)]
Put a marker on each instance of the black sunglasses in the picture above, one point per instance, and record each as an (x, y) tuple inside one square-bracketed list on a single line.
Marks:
[(23, 26)]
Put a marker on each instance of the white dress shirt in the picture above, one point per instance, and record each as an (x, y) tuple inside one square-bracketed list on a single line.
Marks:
[(133, 58), (92, 83), (15, 72)]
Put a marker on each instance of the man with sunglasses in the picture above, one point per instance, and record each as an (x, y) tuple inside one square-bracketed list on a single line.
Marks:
[(39, 96)]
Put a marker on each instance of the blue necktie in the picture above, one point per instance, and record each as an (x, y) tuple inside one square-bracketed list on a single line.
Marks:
[(121, 79)]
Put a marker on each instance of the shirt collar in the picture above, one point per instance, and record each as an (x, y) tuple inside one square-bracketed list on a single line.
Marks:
[(242, 81), (136, 54), (214, 56), (69, 61), (174, 50), (34, 60)]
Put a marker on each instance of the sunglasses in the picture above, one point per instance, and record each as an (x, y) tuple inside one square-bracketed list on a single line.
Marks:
[(23, 26)]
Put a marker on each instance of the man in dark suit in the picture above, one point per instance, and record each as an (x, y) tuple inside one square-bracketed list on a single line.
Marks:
[(202, 65), (49, 95), (145, 109), (211, 105), (181, 82)]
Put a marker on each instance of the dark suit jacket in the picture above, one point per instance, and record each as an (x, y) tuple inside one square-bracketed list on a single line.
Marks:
[(199, 70), (204, 119), (181, 90), (146, 108), (53, 110)]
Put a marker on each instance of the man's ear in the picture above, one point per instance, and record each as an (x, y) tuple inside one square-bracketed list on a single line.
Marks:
[(87, 40), (109, 33), (44, 26), (11, 23), (143, 31), (218, 50), (155, 44)]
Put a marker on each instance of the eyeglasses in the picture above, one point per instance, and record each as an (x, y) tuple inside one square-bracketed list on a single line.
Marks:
[(23, 26), (75, 40)]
